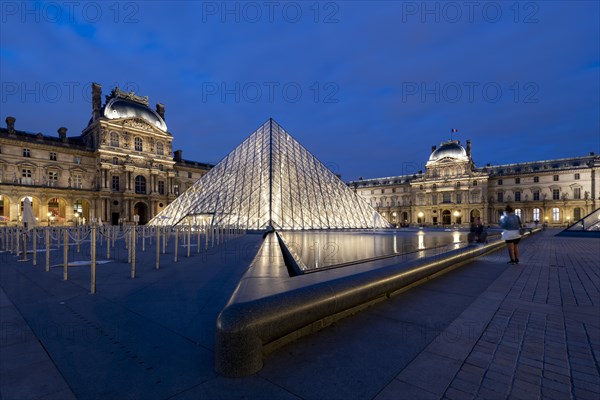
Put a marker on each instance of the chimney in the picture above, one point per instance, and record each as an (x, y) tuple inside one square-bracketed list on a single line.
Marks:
[(10, 124), (177, 155), (433, 148), (469, 148), (62, 133), (160, 110), (96, 100)]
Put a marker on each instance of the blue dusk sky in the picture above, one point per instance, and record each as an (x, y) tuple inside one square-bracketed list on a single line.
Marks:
[(367, 87)]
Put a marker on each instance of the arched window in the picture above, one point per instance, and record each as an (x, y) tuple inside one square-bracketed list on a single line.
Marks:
[(160, 149), (114, 139), (536, 214), (138, 144), (140, 184)]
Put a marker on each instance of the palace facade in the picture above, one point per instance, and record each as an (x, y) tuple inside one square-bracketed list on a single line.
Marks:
[(120, 167), (454, 191)]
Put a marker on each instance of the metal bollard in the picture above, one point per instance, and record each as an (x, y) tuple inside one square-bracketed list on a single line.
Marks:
[(47, 231), (157, 247), (65, 254), (93, 254)]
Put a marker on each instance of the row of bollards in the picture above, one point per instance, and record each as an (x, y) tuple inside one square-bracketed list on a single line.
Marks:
[(15, 240)]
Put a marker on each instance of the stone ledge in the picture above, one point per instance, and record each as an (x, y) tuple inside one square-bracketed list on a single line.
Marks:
[(269, 308)]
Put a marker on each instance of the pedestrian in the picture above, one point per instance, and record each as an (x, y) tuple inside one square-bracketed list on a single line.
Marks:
[(480, 231), (511, 224)]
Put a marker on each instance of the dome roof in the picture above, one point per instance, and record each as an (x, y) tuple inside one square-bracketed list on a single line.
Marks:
[(123, 108), (450, 149)]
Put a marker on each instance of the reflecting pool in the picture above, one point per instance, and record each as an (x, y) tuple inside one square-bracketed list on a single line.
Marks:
[(327, 249)]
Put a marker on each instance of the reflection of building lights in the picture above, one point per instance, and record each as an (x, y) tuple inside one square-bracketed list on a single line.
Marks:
[(456, 239), (421, 240)]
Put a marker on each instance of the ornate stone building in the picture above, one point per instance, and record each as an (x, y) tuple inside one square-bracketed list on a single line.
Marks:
[(454, 191), (120, 166)]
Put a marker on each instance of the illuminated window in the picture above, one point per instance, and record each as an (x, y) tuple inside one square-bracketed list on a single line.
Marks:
[(138, 144), (555, 214), (536, 214), (518, 212), (78, 207)]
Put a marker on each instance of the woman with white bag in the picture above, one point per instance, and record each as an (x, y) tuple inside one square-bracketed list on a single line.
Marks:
[(511, 223)]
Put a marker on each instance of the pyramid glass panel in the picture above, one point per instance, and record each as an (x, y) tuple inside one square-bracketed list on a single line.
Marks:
[(270, 179)]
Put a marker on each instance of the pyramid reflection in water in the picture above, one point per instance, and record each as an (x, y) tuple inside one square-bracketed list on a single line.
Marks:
[(271, 180)]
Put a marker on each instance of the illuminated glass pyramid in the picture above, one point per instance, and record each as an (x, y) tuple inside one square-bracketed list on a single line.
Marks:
[(271, 180)]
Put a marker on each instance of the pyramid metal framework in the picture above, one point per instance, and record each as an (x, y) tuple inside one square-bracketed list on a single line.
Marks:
[(270, 179)]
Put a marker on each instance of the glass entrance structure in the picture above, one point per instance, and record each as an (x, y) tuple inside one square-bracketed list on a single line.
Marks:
[(271, 180)]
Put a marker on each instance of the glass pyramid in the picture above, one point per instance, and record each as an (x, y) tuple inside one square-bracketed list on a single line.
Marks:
[(271, 180)]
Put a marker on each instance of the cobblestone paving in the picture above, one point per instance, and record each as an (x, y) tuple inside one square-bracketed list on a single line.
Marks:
[(544, 339)]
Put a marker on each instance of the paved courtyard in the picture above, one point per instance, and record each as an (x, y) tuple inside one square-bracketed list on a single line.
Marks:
[(485, 330)]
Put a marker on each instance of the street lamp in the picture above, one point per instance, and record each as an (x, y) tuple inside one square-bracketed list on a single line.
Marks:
[(456, 215), (76, 219), (420, 215)]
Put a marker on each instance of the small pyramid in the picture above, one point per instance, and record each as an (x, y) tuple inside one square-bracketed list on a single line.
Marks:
[(270, 179)]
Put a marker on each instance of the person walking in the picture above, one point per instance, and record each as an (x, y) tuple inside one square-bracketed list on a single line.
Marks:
[(511, 224)]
